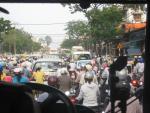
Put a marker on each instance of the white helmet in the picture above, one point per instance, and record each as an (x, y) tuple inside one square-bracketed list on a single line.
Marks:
[(63, 71), (89, 75), (88, 67), (18, 70)]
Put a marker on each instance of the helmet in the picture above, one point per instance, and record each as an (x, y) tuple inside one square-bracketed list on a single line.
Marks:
[(88, 67), (105, 65), (140, 60), (24, 64), (53, 81), (139, 56), (135, 56), (89, 75), (18, 70), (63, 71)]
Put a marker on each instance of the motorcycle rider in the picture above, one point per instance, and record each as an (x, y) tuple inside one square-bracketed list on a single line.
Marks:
[(89, 92), (139, 68), (64, 80), (38, 75), (88, 67), (2, 74), (26, 71), (18, 76)]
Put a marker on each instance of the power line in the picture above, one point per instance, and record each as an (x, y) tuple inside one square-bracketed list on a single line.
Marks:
[(47, 24), (51, 34)]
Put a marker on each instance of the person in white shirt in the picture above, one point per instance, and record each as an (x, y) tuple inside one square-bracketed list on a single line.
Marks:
[(89, 92), (140, 67)]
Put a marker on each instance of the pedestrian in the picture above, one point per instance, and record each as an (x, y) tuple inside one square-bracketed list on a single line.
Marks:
[(89, 92), (38, 75)]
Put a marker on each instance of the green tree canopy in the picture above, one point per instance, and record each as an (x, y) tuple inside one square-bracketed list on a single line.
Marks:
[(68, 43), (76, 29), (5, 27), (103, 22), (19, 41)]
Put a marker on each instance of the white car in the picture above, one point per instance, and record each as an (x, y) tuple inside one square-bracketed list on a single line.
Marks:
[(81, 63), (48, 66)]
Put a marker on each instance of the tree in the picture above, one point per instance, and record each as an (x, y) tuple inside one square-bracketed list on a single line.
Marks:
[(19, 41), (68, 43), (76, 29), (48, 40), (5, 27), (102, 23)]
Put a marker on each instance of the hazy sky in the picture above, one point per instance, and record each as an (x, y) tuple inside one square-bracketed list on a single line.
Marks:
[(53, 14)]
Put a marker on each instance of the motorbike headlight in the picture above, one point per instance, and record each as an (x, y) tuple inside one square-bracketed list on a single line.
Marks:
[(67, 93)]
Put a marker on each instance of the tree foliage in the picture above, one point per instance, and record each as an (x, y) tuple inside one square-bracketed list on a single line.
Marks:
[(5, 27), (103, 22), (76, 29), (68, 43), (101, 25), (19, 41)]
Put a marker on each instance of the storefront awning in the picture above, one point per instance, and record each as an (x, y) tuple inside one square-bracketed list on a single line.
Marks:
[(134, 52), (133, 26)]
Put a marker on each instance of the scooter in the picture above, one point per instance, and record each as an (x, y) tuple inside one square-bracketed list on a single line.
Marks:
[(71, 94)]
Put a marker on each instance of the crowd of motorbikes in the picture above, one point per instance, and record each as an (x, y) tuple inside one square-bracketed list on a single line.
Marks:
[(134, 80)]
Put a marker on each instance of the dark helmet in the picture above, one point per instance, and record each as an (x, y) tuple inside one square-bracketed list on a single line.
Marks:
[(53, 81)]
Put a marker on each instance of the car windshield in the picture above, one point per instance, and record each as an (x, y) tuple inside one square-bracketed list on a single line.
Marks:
[(52, 56), (71, 36), (82, 63), (46, 66)]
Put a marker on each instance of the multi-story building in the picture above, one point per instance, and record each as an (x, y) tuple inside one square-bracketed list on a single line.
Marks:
[(134, 27)]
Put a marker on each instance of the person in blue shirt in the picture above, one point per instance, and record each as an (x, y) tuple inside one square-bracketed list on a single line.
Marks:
[(18, 76), (26, 71)]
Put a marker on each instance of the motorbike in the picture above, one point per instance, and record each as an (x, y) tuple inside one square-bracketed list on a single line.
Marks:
[(71, 94), (105, 94), (135, 84)]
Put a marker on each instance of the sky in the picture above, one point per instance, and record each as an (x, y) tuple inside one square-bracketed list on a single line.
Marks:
[(55, 15)]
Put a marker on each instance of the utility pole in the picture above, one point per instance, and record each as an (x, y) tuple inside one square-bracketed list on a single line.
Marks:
[(14, 36)]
